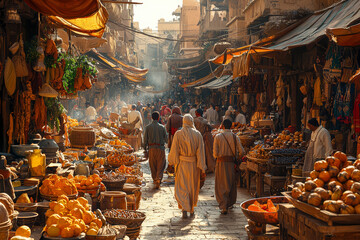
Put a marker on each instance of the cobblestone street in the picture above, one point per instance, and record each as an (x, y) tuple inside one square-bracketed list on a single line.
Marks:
[(164, 219)]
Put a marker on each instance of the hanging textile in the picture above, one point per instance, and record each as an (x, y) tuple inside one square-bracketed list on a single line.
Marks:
[(69, 9), (317, 92)]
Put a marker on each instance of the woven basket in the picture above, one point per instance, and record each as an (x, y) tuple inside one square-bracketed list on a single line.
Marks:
[(106, 237), (82, 136), (114, 186), (129, 223), (26, 218), (4, 230), (54, 198), (247, 141)]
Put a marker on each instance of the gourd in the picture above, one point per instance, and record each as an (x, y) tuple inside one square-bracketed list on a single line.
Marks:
[(8, 203), (324, 194), (333, 161), (355, 175), (341, 156), (333, 171), (320, 165), (296, 192), (314, 199), (325, 176), (343, 176), (310, 185)]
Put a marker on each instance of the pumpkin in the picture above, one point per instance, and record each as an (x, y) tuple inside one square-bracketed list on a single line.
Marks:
[(325, 176), (325, 204), (314, 199), (341, 156), (308, 178), (346, 209), (343, 176), (348, 169), (296, 192), (323, 193), (351, 199), (348, 184), (304, 196), (347, 192), (336, 195), (355, 175), (333, 161), (310, 185), (357, 163), (320, 165), (357, 209), (319, 182), (300, 185), (333, 184), (314, 174), (355, 188), (333, 206), (346, 164), (333, 171)]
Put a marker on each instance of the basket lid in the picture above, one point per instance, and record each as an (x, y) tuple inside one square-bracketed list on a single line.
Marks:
[(114, 194)]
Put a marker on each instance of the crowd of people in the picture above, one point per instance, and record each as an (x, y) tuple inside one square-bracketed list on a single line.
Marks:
[(186, 130)]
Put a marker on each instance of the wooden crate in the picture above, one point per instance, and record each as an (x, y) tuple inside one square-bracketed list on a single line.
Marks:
[(301, 226), (271, 234)]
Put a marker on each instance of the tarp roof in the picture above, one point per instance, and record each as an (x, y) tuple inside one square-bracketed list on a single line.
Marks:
[(217, 83), (128, 75), (304, 32), (215, 74)]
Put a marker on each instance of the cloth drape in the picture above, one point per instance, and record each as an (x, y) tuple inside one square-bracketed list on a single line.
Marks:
[(69, 9)]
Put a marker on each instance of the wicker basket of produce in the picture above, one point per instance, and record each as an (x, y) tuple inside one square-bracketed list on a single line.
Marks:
[(82, 136), (26, 218), (246, 140), (55, 197), (129, 218)]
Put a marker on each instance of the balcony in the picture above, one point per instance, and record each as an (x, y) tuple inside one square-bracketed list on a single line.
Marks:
[(212, 24)]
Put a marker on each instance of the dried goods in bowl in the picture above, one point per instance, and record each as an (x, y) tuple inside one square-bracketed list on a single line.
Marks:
[(262, 217), (130, 218)]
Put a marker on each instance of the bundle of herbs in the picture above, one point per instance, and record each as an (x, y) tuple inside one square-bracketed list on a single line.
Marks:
[(54, 111)]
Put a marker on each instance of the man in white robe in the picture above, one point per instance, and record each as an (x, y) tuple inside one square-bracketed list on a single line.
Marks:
[(225, 151), (211, 115), (187, 154)]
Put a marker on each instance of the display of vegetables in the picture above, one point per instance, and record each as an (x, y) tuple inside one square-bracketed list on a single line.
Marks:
[(69, 218), (333, 185), (118, 158), (113, 177), (258, 151), (55, 185), (268, 207), (83, 182), (284, 140)]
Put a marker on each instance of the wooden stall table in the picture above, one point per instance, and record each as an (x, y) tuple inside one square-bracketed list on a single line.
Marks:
[(295, 224), (276, 183), (259, 167), (133, 140)]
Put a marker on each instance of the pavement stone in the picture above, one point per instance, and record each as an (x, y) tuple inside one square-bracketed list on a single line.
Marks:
[(164, 219)]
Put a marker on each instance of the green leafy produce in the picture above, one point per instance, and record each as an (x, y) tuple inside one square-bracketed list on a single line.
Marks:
[(54, 111), (71, 65), (31, 53)]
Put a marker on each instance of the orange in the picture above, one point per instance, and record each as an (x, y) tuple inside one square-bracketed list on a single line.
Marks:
[(23, 231), (59, 208), (52, 204), (63, 197), (71, 204), (53, 231), (94, 226), (67, 232), (53, 219), (49, 213), (77, 213), (98, 222), (91, 231), (77, 229), (64, 222), (83, 201), (87, 217)]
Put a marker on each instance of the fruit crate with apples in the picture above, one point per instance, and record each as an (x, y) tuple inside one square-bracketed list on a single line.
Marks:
[(295, 224), (326, 216)]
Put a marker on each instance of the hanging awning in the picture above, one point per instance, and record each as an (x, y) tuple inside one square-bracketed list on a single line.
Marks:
[(85, 17), (340, 15), (346, 37), (139, 71), (217, 83), (213, 75), (302, 33), (128, 75)]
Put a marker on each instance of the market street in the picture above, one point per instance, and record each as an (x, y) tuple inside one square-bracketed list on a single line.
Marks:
[(164, 219)]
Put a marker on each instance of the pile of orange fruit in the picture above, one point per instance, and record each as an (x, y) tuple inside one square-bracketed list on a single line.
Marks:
[(69, 218), (56, 186), (118, 158), (267, 207), (83, 182)]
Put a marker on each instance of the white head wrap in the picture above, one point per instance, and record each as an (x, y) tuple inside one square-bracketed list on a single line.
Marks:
[(188, 121)]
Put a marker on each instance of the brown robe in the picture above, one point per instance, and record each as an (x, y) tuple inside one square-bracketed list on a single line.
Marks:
[(205, 128)]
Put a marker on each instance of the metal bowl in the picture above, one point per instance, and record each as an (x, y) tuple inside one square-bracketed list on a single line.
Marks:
[(20, 150), (263, 217)]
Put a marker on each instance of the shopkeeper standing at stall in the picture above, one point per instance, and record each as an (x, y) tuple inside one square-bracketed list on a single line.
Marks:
[(319, 147)]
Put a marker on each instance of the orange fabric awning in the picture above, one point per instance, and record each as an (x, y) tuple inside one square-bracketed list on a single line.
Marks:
[(346, 37), (68, 9), (217, 73), (139, 71)]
